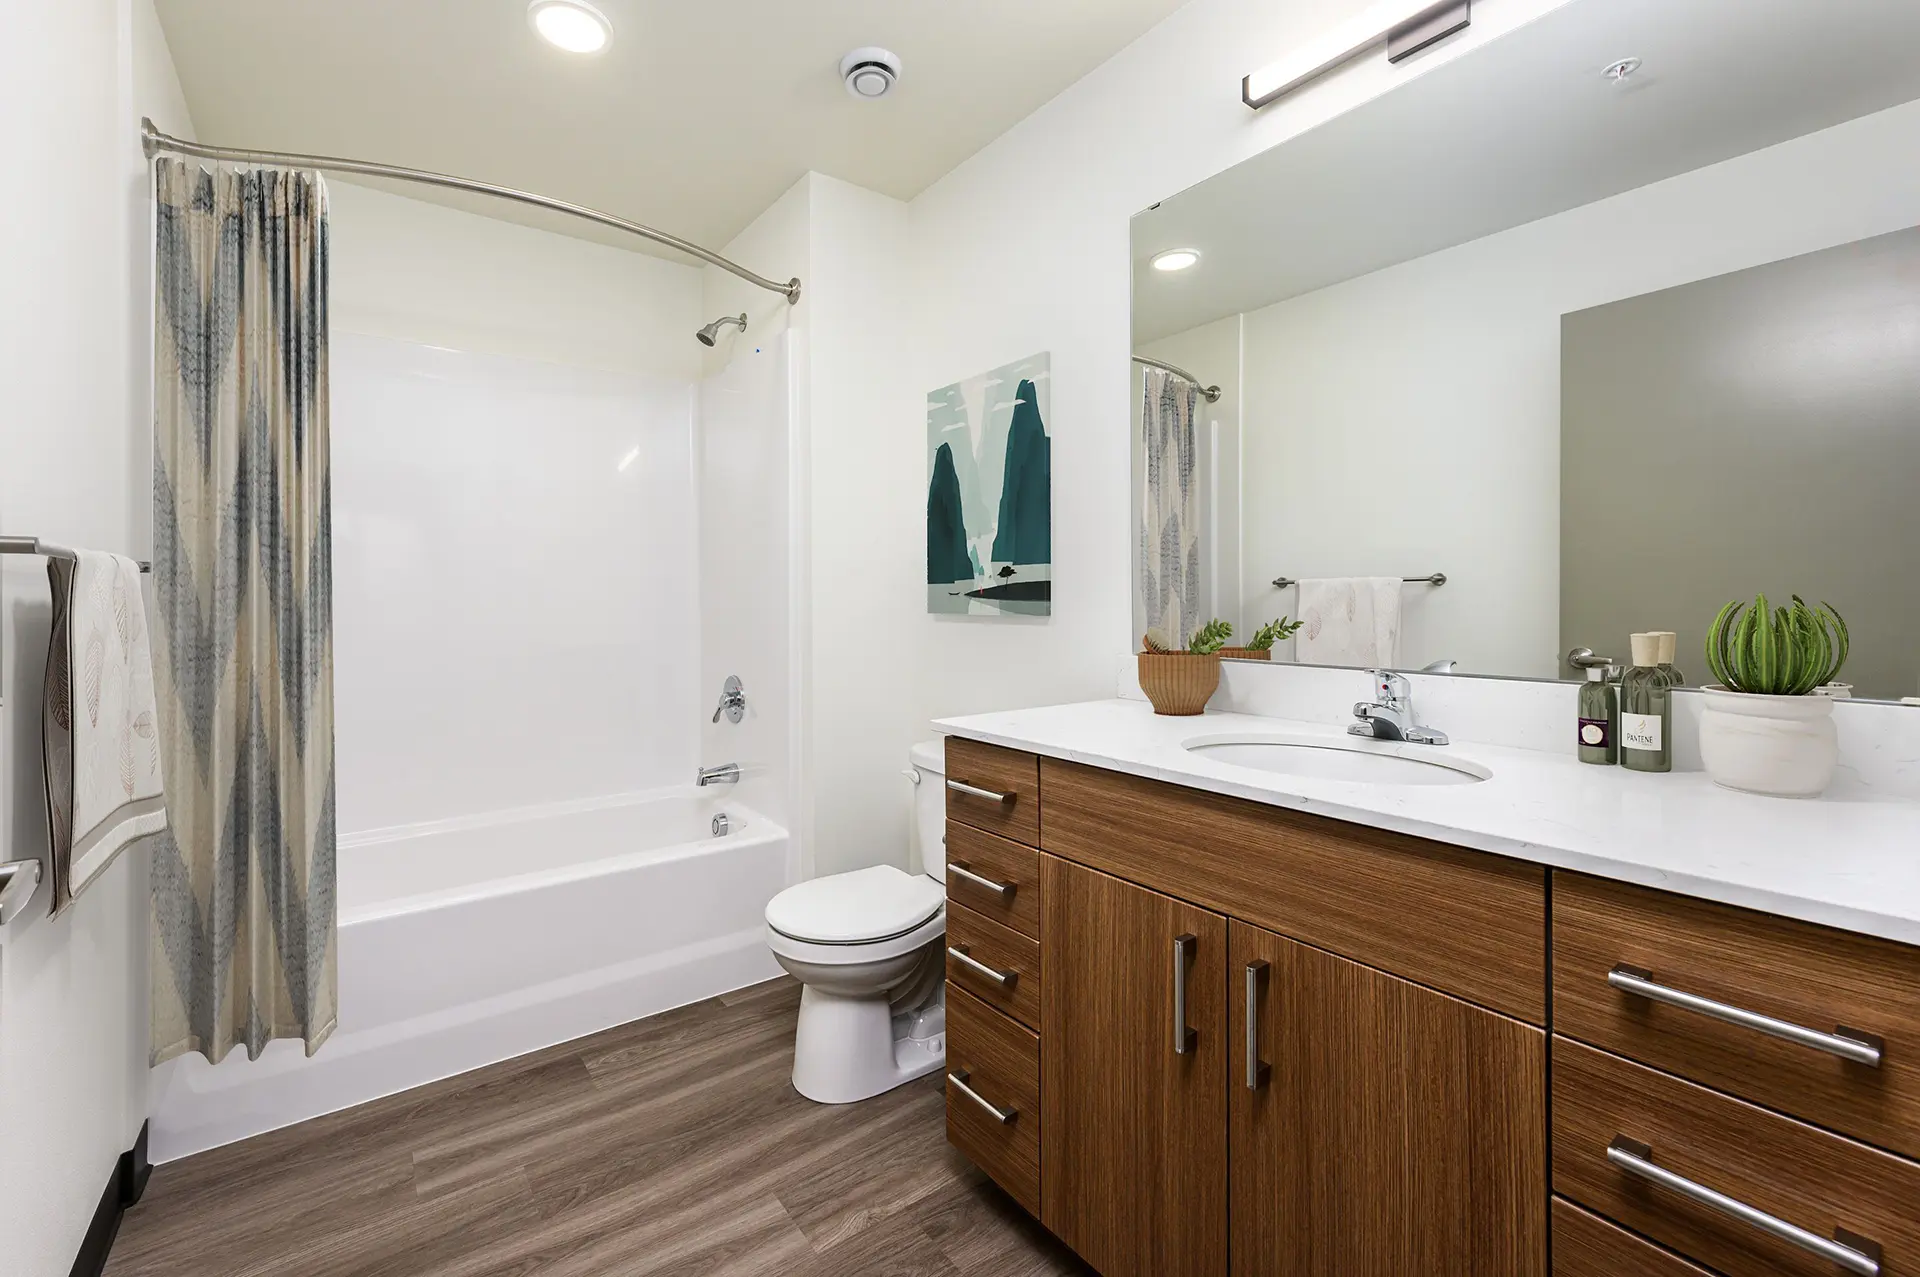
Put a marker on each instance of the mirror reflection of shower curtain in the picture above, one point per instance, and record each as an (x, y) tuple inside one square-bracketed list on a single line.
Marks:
[(1169, 530)]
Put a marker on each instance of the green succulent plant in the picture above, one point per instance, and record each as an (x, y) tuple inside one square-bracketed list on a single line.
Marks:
[(1210, 637), (1272, 632), (1783, 651)]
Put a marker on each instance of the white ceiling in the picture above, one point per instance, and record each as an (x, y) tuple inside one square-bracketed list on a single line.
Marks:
[(1519, 130), (695, 119)]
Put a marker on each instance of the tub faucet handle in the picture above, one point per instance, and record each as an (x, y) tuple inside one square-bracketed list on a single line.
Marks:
[(733, 700)]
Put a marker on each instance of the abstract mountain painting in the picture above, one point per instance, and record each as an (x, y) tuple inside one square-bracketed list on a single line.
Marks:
[(990, 494)]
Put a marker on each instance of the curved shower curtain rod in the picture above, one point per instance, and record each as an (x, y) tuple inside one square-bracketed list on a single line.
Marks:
[(155, 142), (1210, 393)]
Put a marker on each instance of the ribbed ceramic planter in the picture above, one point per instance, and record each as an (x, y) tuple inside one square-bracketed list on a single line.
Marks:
[(1780, 745), (1246, 654), (1179, 683)]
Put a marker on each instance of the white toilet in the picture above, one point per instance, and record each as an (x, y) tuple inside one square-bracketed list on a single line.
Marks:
[(869, 947)]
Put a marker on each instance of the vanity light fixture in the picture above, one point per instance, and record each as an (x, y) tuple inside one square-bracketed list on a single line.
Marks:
[(572, 25), (1176, 259), (1404, 26)]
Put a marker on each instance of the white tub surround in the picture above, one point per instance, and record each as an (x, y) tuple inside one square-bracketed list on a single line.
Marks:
[(465, 942), (1849, 860)]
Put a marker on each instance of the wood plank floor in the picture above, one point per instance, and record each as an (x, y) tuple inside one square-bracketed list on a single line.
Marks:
[(674, 1145)]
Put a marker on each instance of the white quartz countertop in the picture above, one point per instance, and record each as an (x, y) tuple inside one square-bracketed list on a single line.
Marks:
[(1851, 862)]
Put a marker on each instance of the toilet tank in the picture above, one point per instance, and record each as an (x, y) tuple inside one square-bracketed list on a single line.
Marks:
[(929, 759)]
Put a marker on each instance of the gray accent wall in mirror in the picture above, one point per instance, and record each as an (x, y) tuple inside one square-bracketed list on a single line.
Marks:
[(1608, 354)]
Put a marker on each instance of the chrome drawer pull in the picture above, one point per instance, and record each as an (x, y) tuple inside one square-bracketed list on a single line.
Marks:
[(1004, 979), (1003, 1116), (1183, 1037), (1005, 889), (1861, 1048), (1635, 1158), (962, 787), (1257, 1072)]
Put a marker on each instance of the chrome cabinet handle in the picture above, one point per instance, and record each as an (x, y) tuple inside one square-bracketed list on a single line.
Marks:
[(1003, 1116), (1860, 1256), (1848, 1044), (19, 879), (960, 870), (1257, 1072), (962, 787), (1183, 950), (1004, 979)]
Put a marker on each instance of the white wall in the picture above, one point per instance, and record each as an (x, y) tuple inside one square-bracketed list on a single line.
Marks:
[(1443, 373), (856, 530), (1024, 248), (74, 79)]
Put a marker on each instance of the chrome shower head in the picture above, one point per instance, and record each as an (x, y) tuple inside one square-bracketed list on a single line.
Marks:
[(711, 333)]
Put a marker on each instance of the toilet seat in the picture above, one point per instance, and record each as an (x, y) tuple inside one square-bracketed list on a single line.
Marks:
[(862, 908), (869, 953)]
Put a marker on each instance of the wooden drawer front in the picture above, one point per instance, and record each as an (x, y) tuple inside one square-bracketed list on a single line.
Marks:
[(1808, 1177), (1000, 1062), (1014, 869), (1789, 971), (1014, 957), (1584, 1245), (1006, 772), (1463, 922)]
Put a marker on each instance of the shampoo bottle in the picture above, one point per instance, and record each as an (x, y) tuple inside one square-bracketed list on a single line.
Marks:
[(1646, 710), (1599, 719)]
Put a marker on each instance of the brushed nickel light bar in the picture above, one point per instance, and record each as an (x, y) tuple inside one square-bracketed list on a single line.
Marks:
[(155, 143), (1404, 26)]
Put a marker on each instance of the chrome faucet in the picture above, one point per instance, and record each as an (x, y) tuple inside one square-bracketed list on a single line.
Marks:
[(1389, 715), (724, 774), (733, 700)]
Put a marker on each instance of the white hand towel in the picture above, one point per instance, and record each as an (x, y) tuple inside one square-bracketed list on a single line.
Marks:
[(102, 752), (1349, 621)]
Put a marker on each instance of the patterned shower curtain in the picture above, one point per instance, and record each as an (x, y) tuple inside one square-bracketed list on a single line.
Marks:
[(243, 880), (1170, 507)]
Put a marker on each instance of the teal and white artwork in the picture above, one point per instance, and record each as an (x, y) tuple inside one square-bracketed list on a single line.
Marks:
[(990, 494)]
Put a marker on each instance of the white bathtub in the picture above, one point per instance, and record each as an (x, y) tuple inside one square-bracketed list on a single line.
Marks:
[(471, 941)]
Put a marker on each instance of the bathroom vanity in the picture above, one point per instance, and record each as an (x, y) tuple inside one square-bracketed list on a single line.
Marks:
[(1198, 1025)]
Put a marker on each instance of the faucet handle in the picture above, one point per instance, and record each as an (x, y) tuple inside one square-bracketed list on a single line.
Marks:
[(1390, 688)]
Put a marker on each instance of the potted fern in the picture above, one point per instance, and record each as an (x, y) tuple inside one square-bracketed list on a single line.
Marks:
[(1181, 680), (1260, 646), (1767, 728)]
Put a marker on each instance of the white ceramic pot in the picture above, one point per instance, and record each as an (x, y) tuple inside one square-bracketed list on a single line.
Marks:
[(1780, 745)]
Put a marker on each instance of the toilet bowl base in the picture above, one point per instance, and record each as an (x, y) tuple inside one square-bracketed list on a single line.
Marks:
[(847, 1049)]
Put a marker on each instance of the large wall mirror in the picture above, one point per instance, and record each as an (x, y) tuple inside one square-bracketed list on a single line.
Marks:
[(1608, 322)]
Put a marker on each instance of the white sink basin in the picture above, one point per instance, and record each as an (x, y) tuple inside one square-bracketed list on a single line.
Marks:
[(1365, 762)]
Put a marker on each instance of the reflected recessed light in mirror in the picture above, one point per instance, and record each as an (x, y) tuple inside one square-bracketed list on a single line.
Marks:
[(572, 25), (1176, 259)]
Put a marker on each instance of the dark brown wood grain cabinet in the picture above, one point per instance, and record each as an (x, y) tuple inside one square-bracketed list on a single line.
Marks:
[(1379, 1127), (1133, 1083)]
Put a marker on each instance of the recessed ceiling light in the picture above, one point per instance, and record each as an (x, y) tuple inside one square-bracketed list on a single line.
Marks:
[(573, 25), (1176, 259), (1619, 71)]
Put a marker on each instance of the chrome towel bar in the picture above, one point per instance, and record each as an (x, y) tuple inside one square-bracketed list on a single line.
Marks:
[(1438, 578), (47, 549)]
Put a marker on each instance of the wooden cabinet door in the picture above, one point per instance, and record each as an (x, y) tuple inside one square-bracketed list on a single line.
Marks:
[(1133, 1167), (1392, 1130)]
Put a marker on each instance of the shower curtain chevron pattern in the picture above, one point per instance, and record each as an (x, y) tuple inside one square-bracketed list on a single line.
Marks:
[(243, 879), (1169, 506)]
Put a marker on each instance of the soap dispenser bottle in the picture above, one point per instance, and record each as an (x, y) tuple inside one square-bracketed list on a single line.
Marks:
[(1599, 718), (1646, 710)]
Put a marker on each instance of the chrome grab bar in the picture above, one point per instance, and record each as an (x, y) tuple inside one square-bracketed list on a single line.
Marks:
[(1635, 1158), (1004, 979), (960, 870), (1848, 1044), (19, 879), (1000, 1115), (1257, 1073), (1183, 950), (962, 787)]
